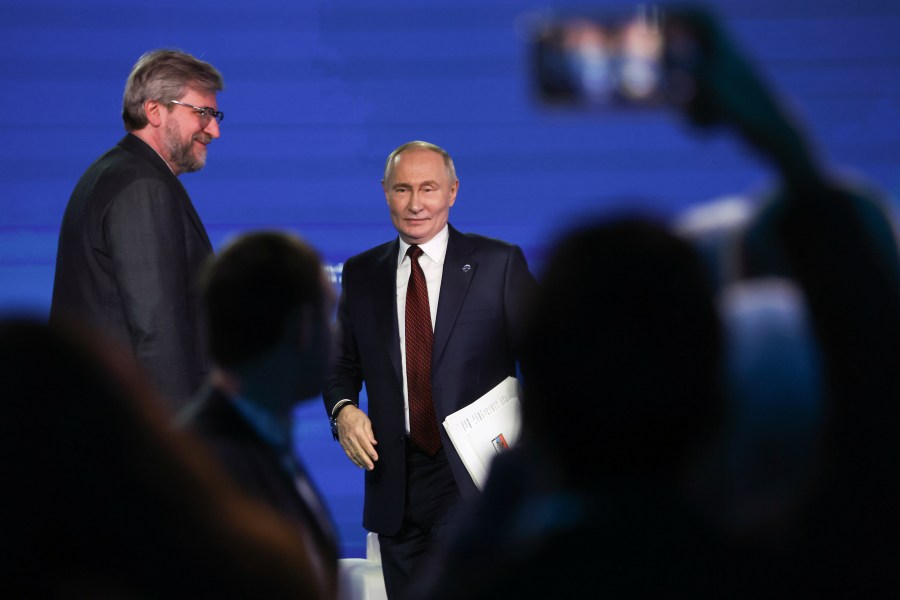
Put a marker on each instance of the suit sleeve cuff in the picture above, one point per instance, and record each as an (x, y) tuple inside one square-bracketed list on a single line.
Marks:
[(339, 407)]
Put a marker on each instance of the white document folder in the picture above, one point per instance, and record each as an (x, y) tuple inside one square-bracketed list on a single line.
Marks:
[(485, 428)]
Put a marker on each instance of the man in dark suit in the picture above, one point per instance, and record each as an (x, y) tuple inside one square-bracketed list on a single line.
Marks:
[(417, 374), (131, 243), (267, 304)]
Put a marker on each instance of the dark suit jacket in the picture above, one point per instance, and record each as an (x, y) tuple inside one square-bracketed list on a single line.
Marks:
[(257, 467), (130, 247), (484, 287)]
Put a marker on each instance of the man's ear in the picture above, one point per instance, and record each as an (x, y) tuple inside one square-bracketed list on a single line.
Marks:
[(153, 110), (453, 189)]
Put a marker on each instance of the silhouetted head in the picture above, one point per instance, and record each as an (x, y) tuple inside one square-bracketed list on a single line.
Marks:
[(621, 360), (267, 299)]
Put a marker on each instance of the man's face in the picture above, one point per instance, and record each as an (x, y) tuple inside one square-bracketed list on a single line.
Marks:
[(186, 133), (419, 194)]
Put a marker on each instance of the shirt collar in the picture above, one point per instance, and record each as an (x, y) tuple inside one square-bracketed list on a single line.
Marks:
[(435, 248)]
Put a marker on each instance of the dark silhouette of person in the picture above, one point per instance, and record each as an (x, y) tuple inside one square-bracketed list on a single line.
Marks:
[(103, 499), (833, 238), (267, 304)]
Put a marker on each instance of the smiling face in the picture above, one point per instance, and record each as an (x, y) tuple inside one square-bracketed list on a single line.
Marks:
[(185, 133), (419, 194)]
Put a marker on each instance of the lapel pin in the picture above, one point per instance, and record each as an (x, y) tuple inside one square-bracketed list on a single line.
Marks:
[(466, 268)]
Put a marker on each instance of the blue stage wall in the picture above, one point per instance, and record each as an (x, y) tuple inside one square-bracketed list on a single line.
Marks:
[(318, 92)]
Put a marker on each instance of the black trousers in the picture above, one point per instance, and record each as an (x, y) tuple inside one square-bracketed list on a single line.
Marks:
[(432, 500)]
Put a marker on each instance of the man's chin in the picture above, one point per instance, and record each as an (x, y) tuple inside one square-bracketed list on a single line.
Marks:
[(415, 233), (194, 165), (200, 158)]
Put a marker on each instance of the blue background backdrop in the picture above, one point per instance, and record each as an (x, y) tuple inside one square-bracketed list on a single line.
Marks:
[(318, 92)]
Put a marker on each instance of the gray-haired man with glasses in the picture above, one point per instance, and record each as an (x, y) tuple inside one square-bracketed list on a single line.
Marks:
[(131, 243)]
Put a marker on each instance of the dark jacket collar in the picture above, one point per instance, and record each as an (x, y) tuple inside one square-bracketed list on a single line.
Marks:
[(135, 145)]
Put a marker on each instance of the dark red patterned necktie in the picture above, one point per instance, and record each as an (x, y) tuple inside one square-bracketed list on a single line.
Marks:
[(423, 429)]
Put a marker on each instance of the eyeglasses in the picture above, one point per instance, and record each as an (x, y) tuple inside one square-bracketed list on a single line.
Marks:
[(206, 112)]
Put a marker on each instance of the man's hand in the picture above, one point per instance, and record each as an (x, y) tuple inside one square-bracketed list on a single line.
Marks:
[(356, 437)]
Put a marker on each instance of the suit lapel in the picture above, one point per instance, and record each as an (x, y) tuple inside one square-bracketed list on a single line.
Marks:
[(459, 269)]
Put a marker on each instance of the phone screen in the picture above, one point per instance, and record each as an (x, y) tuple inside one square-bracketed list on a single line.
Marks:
[(600, 62)]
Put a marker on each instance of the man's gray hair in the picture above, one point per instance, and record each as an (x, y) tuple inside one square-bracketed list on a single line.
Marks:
[(165, 75), (419, 145)]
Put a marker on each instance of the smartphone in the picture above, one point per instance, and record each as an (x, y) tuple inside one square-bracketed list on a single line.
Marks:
[(600, 61)]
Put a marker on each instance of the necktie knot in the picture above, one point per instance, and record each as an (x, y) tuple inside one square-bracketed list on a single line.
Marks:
[(414, 252)]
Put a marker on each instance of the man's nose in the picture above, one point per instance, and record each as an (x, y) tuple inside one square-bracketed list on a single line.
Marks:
[(212, 128)]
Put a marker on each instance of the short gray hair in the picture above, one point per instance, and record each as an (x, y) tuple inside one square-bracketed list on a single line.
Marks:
[(419, 145), (165, 75)]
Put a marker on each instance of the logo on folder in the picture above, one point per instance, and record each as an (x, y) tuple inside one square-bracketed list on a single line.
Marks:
[(500, 444)]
